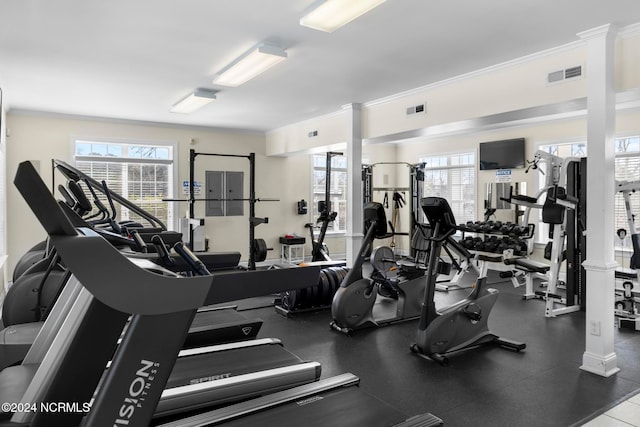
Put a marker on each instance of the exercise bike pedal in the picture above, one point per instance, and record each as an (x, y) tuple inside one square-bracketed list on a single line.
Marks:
[(474, 315), (346, 331), (510, 344), (415, 349), (436, 357)]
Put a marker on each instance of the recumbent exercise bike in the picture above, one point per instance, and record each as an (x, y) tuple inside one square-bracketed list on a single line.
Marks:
[(393, 293)]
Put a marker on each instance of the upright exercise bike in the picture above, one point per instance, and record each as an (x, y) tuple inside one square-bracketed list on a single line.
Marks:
[(365, 302), (462, 325)]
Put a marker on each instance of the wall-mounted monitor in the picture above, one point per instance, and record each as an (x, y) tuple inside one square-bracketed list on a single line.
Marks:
[(505, 154)]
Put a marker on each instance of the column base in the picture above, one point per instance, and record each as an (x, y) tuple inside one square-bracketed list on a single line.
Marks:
[(599, 365)]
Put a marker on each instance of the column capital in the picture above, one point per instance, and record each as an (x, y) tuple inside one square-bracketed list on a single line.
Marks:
[(601, 31), (352, 106)]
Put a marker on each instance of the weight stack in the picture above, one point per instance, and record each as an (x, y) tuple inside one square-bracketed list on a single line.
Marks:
[(313, 298)]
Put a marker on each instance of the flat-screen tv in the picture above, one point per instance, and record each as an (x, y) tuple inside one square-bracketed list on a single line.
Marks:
[(505, 154)]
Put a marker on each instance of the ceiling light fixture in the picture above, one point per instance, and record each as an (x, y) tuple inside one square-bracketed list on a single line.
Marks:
[(196, 99), (329, 15), (250, 64)]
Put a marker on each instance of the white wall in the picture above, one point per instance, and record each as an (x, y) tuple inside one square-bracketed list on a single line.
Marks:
[(290, 140), (627, 123), (510, 86), (283, 163), (506, 87), (3, 201), (42, 138)]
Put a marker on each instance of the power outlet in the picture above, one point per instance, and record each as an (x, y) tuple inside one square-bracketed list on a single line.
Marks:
[(594, 328)]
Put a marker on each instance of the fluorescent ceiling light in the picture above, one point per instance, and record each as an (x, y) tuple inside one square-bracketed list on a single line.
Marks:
[(196, 99), (250, 64), (329, 15)]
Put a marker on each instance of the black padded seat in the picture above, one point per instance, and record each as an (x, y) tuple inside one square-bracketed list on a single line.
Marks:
[(528, 265)]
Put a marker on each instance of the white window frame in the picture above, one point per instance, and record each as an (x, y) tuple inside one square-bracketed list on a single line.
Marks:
[(473, 167), (172, 224), (313, 206)]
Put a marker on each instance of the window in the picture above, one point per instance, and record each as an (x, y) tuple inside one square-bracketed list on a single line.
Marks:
[(453, 177), (338, 190), (627, 168), (141, 173)]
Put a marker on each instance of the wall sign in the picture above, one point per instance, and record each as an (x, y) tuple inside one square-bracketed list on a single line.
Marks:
[(197, 188), (503, 175)]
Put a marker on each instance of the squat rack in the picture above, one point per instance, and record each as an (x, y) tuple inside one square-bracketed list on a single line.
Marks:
[(257, 247), (416, 174)]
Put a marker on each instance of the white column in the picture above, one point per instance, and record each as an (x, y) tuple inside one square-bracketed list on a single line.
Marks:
[(354, 182), (599, 356)]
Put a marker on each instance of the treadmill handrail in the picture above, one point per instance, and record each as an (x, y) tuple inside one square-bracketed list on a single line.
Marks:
[(124, 286), (74, 174)]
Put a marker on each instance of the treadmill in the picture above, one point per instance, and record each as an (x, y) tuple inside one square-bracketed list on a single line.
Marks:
[(211, 326), (129, 391), (201, 377)]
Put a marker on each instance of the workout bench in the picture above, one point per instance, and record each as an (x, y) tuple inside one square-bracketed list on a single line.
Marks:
[(526, 269)]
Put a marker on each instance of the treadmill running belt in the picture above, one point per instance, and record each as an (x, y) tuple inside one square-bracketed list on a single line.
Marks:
[(224, 364)]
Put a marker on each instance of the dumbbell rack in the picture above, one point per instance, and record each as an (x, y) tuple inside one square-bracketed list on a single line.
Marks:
[(513, 237)]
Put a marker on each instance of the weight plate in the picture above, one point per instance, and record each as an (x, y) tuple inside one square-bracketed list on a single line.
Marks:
[(334, 283), (302, 298), (313, 292), (326, 288), (383, 259), (342, 273), (289, 299), (260, 250)]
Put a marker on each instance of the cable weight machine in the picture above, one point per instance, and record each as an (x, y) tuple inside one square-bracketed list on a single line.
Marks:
[(415, 189), (257, 247)]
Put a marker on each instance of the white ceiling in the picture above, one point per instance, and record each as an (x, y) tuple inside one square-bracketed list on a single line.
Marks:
[(133, 59)]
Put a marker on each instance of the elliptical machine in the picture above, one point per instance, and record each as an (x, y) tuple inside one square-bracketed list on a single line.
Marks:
[(365, 302), (462, 325)]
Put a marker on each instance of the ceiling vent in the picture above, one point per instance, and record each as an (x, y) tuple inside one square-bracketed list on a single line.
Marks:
[(416, 109), (313, 134), (566, 74)]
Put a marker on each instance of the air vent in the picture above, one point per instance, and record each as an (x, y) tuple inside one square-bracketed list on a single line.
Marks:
[(566, 74), (556, 76), (416, 109), (573, 72), (313, 134)]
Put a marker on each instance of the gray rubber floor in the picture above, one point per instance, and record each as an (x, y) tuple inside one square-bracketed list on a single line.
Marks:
[(541, 386)]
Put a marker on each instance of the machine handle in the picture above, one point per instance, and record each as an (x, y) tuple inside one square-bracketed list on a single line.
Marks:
[(139, 241), (161, 249), (194, 263)]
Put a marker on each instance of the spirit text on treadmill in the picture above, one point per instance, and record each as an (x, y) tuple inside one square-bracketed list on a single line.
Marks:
[(144, 377), (309, 400), (210, 378)]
